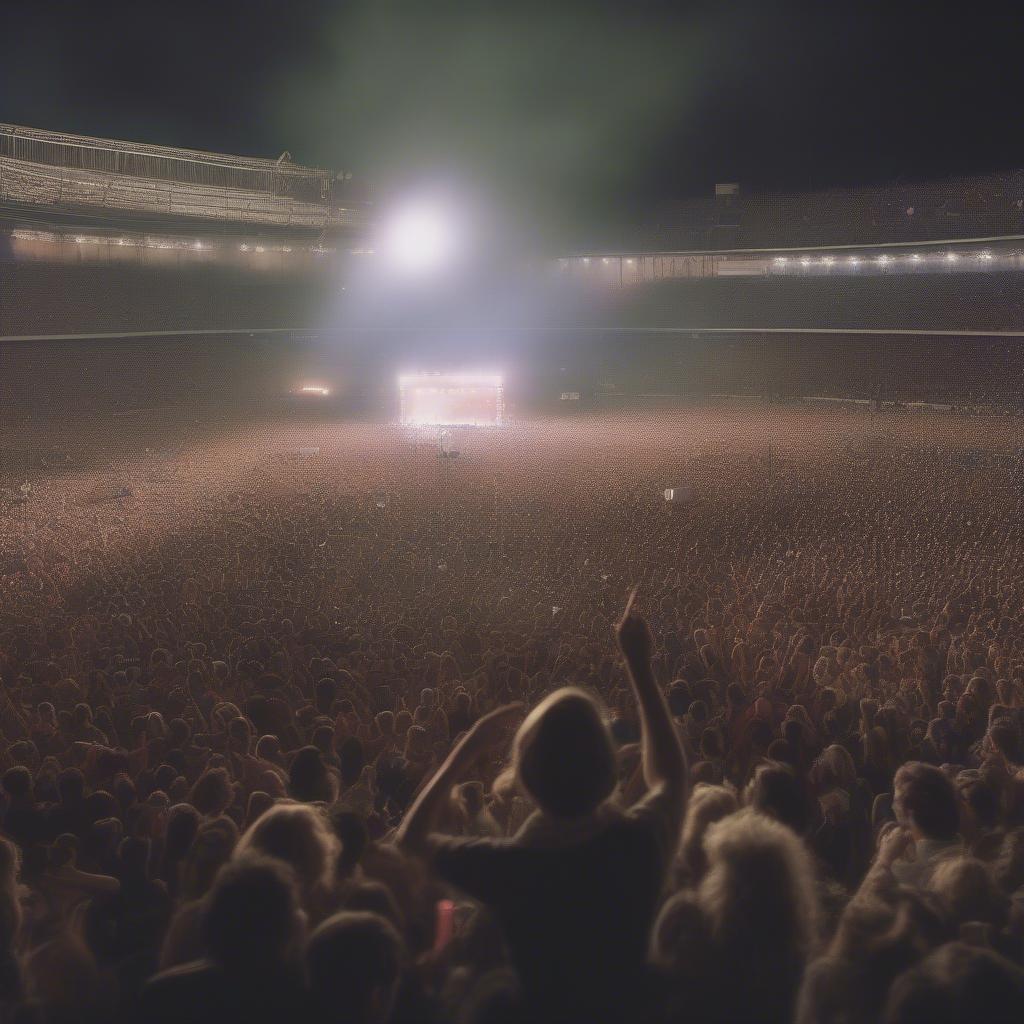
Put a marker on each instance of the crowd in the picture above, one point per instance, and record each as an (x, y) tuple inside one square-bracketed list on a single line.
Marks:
[(345, 738), (980, 207)]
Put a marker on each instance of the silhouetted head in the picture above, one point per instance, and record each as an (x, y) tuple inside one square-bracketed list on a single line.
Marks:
[(353, 961), (564, 755), (251, 915)]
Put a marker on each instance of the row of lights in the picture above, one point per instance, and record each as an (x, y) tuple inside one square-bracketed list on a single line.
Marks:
[(806, 261), (261, 248), (883, 260), (197, 246)]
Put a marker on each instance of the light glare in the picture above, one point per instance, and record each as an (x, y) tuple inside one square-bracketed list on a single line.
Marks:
[(419, 239)]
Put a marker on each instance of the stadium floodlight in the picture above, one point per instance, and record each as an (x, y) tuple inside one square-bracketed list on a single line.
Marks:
[(315, 390), (418, 238)]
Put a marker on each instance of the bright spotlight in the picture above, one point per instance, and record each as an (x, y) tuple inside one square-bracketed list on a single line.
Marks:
[(418, 239), (314, 390)]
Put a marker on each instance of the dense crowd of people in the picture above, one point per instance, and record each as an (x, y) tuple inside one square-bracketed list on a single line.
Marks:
[(348, 736), (979, 207)]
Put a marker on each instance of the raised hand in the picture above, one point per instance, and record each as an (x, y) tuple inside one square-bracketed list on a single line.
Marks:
[(896, 844), (633, 635)]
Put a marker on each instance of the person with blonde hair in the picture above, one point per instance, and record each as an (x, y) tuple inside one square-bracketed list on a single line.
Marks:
[(707, 805), (743, 937)]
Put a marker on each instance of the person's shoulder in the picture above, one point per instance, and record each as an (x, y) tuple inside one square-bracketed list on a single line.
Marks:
[(194, 969), (194, 977), (655, 804)]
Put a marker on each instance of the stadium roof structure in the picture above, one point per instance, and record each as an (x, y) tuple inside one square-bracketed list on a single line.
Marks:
[(46, 174)]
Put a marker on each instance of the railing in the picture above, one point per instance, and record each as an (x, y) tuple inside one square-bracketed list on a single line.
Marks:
[(163, 163), (42, 185), (69, 171)]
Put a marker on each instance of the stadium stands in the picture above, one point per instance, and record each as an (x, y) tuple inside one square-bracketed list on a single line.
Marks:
[(43, 170), (958, 208)]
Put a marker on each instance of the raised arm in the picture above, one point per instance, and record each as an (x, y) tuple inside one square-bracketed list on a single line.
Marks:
[(421, 818), (664, 762)]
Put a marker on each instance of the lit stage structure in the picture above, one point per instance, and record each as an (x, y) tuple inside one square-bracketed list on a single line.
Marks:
[(451, 399), (440, 403)]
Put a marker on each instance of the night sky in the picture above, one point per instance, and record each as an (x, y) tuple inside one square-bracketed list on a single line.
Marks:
[(589, 104)]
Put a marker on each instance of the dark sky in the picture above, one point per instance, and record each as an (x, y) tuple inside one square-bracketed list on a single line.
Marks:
[(596, 101)]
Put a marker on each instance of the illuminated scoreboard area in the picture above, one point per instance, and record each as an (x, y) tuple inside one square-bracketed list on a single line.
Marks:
[(451, 399)]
